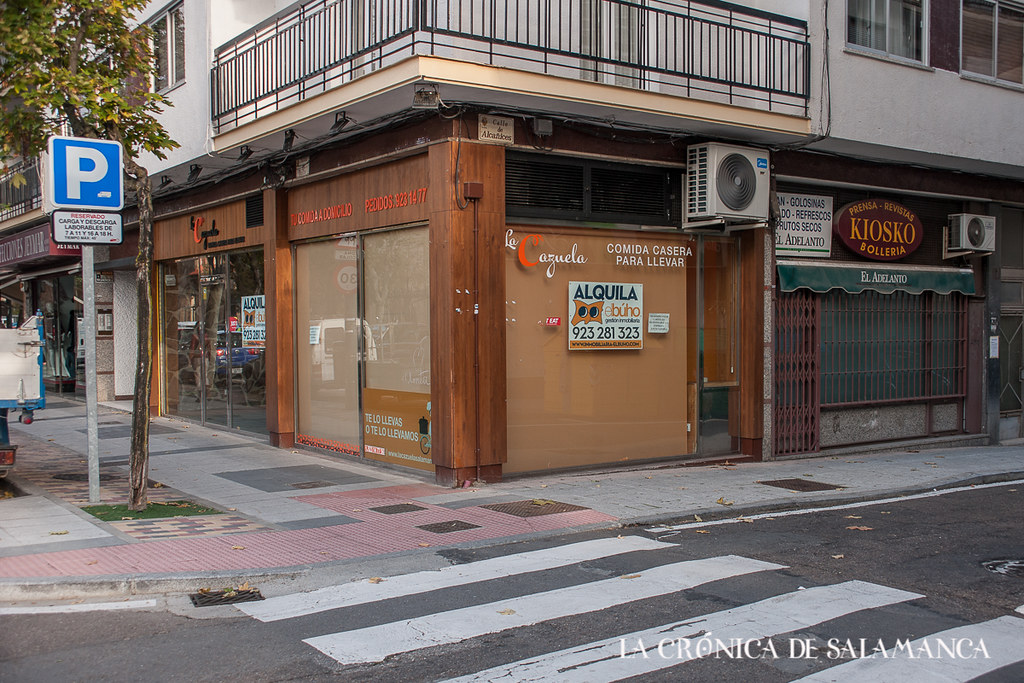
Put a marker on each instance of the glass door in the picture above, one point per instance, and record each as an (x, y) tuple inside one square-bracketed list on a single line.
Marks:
[(719, 345)]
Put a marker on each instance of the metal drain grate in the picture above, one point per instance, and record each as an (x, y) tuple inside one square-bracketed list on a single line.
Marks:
[(311, 484), (1005, 567), (802, 485), (448, 527), (211, 598), (533, 508), (397, 508)]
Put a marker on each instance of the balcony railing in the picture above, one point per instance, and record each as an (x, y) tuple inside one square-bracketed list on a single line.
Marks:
[(711, 51), (20, 190)]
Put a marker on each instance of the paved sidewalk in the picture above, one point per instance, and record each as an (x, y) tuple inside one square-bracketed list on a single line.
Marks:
[(287, 511)]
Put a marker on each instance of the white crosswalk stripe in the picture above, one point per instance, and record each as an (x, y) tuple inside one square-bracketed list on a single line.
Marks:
[(763, 630), (358, 593), (958, 654), (638, 653), (375, 643)]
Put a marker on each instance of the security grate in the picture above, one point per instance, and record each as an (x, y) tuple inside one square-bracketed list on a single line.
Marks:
[(532, 508), (797, 356)]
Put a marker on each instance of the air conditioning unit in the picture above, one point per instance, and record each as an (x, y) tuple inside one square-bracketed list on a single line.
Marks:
[(968, 232), (726, 182)]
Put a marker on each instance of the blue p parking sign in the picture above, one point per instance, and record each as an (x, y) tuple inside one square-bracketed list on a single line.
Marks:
[(84, 174)]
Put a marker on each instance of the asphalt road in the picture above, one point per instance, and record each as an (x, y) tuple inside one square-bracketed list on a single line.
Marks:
[(919, 559)]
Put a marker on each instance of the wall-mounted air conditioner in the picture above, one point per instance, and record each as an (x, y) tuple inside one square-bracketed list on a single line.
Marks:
[(726, 182), (967, 233)]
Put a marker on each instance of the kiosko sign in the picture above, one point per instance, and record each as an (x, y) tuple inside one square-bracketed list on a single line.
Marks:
[(879, 229)]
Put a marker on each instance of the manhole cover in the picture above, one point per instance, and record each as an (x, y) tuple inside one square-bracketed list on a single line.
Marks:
[(210, 598), (532, 508), (397, 509), (801, 485), (1005, 567), (83, 476), (448, 527), (311, 484)]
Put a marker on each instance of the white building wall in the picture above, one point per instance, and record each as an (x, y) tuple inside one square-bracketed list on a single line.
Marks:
[(914, 111)]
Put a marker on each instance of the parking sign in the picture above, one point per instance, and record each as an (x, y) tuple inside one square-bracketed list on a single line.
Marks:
[(83, 174)]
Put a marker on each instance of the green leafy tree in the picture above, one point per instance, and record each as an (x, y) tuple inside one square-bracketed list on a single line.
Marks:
[(83, 67)]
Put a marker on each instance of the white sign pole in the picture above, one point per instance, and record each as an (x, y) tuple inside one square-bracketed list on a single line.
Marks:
[(91, 393)]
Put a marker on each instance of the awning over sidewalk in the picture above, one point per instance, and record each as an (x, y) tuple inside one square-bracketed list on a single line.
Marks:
[(858, 277)]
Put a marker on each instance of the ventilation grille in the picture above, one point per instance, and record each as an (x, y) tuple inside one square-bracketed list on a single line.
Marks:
[(254, 211), (697, 181), (575, 189)]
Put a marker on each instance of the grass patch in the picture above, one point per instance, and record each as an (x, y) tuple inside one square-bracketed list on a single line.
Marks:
[(175, 508)]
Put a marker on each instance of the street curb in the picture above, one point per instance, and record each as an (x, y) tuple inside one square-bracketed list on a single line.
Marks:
[(124, 585)]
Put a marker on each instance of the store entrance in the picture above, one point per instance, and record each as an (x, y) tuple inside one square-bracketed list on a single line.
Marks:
[(214, 354)]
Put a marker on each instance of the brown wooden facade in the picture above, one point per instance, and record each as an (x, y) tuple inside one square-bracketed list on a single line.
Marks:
[(456, 188)]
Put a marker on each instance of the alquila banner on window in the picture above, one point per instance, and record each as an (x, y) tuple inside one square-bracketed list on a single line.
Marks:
[(606, 315)]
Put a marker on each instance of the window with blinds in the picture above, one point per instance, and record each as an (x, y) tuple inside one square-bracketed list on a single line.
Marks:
[(893, 27), (993, 39)]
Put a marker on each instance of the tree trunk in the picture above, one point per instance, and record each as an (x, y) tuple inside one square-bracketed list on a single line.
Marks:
[(138, 460)]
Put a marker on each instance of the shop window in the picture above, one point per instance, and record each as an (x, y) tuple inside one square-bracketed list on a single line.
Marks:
[(891, 347), (993, 39), (893, 27), (169, 48)]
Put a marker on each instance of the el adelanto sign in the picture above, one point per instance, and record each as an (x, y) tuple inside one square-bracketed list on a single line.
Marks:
[(879, 229)]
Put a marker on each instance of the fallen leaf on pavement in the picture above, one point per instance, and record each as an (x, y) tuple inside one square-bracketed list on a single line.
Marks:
[(507, 612), (745, 519), (423, 545), (838, 557), (375, 579), (59, 533), (697, 518), (238, 547), (703, 531), (542, 501), (853, 517), (723, 501), (630, 576), (860, 528), (884, 512)]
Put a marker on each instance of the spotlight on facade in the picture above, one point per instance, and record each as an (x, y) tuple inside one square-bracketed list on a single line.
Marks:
[(426, 97), (193, 173), (244, 153), (289, 140), (341, 120)]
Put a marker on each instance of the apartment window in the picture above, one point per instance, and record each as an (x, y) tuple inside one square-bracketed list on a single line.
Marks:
[(169, 48), (895, 27), (993, 39)]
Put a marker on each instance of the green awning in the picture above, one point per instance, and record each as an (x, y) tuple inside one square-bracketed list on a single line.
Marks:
[(858, 277)]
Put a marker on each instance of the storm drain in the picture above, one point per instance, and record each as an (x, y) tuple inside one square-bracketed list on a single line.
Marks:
[(802, 485), (533, 508), (397, 508), (1005, 567), (311, 484), (448, 527), (211, 598)]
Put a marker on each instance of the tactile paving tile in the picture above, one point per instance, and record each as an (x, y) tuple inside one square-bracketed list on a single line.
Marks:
[(178, 527)]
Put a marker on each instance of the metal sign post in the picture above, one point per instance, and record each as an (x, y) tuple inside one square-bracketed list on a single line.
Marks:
[(91, 394), (86, 177)]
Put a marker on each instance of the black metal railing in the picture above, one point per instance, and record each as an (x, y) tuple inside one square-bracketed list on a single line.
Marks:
[(20, 190), (706, 50)]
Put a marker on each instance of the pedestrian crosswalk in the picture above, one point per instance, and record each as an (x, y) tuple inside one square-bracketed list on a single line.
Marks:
[(797, 624)]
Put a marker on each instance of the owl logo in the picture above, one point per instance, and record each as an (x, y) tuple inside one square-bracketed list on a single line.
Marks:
[(587, 313), (249, 318)]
